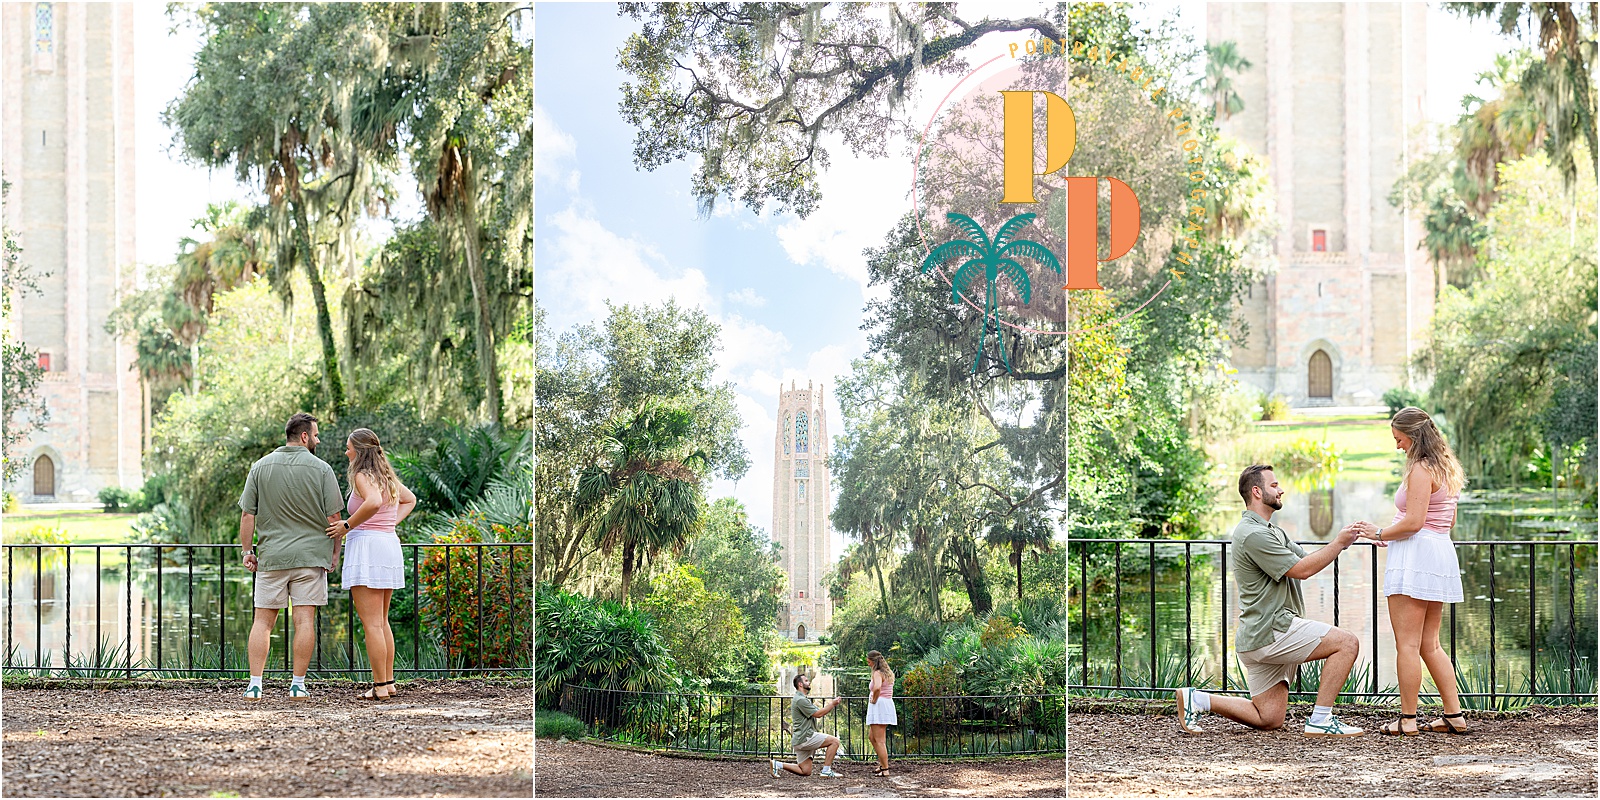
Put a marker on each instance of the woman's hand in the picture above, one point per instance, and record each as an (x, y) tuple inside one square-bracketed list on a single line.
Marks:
[(338, 529), (875, 694)]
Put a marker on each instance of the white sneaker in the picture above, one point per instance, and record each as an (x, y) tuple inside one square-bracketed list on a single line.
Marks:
[(1333, 727), (827, 772), (1188, 715), (777, 771)]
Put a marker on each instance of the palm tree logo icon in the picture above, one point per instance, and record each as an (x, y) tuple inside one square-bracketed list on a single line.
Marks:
[(989, 259)]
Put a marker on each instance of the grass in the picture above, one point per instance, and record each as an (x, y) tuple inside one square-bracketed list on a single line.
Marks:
[(1367, 445), (82, 527), (554, 725)]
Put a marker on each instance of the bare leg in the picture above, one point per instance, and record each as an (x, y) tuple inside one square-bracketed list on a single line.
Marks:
[(1439, 666), (305, 637), (1337, 651), (877, 737), (261, 638), (802, 768), (1263, 712), (388, 641), (1407, 615), (369, 606), (833, 750)]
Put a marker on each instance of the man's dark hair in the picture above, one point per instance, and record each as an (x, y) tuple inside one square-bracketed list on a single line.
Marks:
[(1251, 478), (797, 677), (298, 424)]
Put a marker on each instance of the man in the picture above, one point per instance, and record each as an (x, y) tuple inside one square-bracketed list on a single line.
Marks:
[(1273, 636), (289, 500), (805, 738)]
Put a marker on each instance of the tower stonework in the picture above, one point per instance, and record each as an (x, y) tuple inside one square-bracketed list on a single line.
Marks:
[(1333, 99), (801, 501), (67, 152)]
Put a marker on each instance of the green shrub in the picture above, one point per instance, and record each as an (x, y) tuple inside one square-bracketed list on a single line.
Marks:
[(38, 534), (596, 643), (1400, 397), (10, 505), (555, 725), (113, 498), (1308, 456), (1274, 407), (462, 466), (455, 596)]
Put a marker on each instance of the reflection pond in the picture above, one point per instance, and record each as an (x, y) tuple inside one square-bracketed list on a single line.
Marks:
[(1528, 621)]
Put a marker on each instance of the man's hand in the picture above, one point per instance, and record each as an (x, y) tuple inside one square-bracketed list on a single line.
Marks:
[(1347, 535), (250, 561)]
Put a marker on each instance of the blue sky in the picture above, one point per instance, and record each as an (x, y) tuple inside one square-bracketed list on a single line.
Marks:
[(788, 292)]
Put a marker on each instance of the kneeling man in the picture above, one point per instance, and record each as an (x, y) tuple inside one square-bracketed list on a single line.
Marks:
[(1273, 636)]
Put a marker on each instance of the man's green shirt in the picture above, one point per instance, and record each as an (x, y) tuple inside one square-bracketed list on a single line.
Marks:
[(804, 725), (291, 492), (1268, 601)]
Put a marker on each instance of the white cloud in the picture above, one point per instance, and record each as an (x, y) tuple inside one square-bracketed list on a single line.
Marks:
[(553, 151), (863, 198), (747, 297), (586, 264)]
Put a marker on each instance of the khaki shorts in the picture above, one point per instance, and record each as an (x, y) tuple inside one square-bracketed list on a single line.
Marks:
[(1266, 667), (302, 586), (809, 747)]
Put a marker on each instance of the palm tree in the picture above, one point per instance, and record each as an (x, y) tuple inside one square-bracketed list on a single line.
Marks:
[(994, 258), (1222, 58), (646, 495), (1018, 533)]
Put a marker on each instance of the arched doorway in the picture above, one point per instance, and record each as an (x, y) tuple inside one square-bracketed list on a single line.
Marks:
[(1319, 376), (800, 632), (44, 477)]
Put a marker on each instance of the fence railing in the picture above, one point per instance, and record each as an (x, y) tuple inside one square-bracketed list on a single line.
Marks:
[(1151, 682), (461, 654), (943, 727)]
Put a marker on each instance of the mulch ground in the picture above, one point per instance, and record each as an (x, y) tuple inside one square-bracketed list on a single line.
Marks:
[(582, 769), (1542, 753), (442, 739)]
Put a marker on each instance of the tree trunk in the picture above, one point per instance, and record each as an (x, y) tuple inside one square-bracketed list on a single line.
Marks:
[(877, 567), (1016, 555), (330, 356), (971, 570), (627, 571), (467, 225)]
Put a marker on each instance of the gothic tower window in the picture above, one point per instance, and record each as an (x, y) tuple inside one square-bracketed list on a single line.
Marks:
[(786, 433), (44, 36), (800, 431)]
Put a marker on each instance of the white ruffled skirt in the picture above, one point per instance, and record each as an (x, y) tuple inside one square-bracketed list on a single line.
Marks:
[(373, 559), (882, 712), (1424, 566)]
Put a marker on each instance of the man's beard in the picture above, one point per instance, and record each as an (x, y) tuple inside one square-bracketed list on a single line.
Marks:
[(312, 446), (1276, 503)]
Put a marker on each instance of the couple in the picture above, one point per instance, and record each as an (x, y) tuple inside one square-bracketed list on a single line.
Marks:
[(1422, 575), (806, 740), (290, 533)]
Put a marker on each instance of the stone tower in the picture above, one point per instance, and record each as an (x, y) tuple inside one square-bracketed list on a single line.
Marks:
[(68, 153), (801, 502), (1333, 99)]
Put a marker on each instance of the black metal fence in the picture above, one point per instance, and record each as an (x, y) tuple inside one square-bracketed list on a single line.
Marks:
[(759, 725), (216, 562), (1150, 681)]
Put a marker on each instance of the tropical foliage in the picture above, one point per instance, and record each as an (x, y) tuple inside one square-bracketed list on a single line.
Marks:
[(598, 643)]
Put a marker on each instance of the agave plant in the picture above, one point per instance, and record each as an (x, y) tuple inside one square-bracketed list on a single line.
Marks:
[(989, 259)]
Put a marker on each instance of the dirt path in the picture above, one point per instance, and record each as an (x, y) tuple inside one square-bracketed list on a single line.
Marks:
[(442, 739), (1546, 754), (577, 769)]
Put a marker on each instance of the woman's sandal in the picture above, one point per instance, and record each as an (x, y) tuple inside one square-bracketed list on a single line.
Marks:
[(881, 772), (1449, 727), (1397, 728), (372, 693)]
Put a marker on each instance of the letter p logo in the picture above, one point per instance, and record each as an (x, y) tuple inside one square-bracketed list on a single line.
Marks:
[(1061, 138)]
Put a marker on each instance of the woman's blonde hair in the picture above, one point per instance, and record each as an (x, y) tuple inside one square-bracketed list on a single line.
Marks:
[(1429, 449), (880, 663), (371, 462)]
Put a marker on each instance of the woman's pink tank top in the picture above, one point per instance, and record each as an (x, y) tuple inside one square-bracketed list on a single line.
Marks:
[(1441, 510), (886, 689), (384, 520)]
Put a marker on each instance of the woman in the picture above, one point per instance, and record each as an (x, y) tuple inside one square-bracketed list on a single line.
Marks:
[(1422, 573), (373, 565), (880, 710)]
